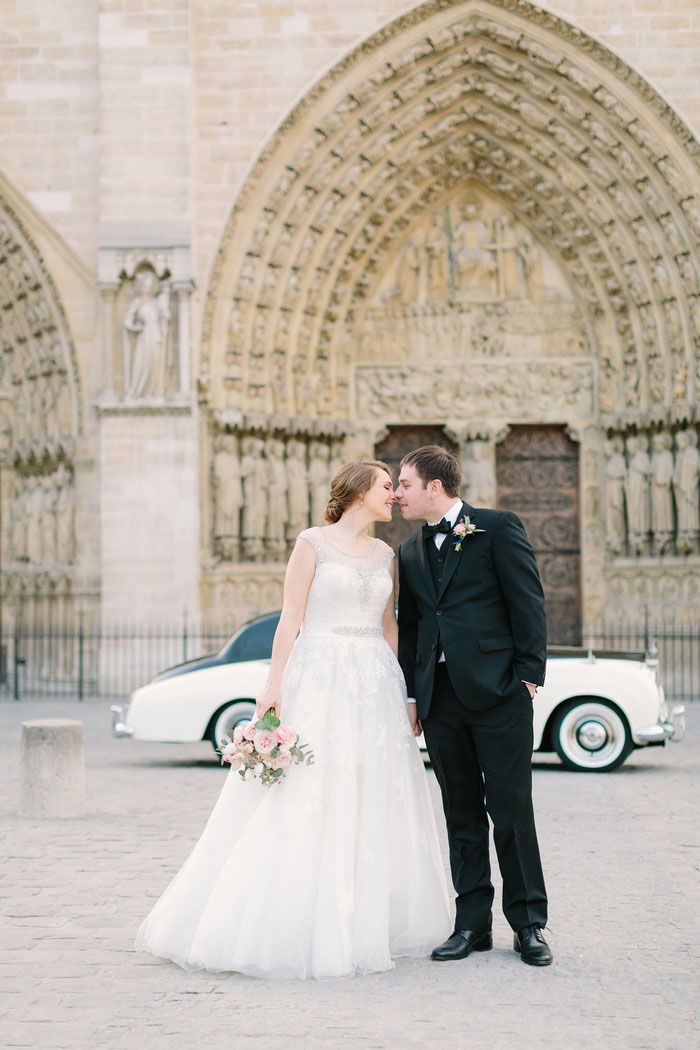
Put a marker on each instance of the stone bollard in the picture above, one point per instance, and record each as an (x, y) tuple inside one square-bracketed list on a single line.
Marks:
[(52, 769)]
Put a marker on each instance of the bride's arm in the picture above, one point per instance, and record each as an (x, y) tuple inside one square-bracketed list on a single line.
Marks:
[(297, 580), (389, 624)]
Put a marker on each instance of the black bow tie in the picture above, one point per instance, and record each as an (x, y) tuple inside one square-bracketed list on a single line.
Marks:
[(430, 530)]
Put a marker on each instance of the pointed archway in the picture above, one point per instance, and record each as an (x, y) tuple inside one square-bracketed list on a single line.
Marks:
[(507, 97), (490, 101)]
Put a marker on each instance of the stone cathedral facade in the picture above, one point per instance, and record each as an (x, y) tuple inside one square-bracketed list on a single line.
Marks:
[(241, 244)]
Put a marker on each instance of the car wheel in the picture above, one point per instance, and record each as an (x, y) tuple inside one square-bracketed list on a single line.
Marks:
[(591, 736), (226, 720)]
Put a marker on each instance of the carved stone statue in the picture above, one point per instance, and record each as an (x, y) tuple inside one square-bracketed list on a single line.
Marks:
[(615, 476), (407, 287), (480, 479), (637, 492), (35, 505), (475, 266), (531, 262), (437, 258), (507, 248), (228, 497), (662, 520), (48, 519), (65, 516), (19, 520), (297, 490), (145, 337), (277, 509), (254, 488), (686, 482), (319, 481)]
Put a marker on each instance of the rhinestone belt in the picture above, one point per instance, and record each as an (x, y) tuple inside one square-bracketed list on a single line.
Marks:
[(343, 629)]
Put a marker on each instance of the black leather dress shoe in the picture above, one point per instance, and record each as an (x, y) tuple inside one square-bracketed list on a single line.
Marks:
[(532, 946), (462, 943)]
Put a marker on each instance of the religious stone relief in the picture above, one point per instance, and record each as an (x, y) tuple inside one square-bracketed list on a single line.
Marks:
[(146, 336), (652, 493), (471, 284), (37, 369), (528, 391), (145, 300), (269, 482), (42, 515)]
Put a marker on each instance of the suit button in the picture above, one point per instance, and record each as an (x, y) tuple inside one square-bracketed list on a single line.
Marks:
[(439, 612), (441, 560), (439, 579)]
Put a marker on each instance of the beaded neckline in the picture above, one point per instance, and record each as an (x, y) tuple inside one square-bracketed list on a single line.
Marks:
[(347, 554)]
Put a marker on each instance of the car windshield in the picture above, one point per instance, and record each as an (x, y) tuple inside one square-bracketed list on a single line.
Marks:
[(253, 641)]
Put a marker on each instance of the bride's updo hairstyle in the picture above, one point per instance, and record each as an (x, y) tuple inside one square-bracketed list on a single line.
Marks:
[(349, 484)]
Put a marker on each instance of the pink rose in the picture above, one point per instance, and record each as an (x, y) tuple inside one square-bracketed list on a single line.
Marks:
[(285, 735), (249, 731), (460, 530), (238, 734), (264, 741), (282, 761), (248, 748)]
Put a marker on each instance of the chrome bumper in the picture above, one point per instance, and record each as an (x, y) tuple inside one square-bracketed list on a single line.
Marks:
[(671, 728), (119, 726)]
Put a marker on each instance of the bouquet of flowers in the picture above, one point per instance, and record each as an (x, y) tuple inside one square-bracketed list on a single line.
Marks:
[(264, 749)]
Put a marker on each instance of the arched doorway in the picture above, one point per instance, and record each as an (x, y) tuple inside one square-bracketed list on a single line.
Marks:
[(39, 426), (479, 217)]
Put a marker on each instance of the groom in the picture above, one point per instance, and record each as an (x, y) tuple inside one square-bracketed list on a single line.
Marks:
[(472, 646)]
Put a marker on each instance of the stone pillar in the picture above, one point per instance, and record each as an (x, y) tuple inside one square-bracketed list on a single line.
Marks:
[(52, 769), (149, 517)]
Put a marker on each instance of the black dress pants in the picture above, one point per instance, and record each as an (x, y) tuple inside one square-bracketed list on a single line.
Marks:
[(482, 761)]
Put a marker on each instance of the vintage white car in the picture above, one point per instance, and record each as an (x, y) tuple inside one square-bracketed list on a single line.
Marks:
[(594, 709)]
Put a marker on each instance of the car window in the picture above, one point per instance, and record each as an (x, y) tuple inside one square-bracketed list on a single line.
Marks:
[(253, 641)]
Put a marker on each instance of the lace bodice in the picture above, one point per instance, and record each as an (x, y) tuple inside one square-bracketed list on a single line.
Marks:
[(348, 593)]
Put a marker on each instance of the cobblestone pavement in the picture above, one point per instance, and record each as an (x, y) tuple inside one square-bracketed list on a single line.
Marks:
[(622, 860)]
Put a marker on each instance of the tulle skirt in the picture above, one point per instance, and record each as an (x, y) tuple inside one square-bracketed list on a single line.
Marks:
[(336, 869)]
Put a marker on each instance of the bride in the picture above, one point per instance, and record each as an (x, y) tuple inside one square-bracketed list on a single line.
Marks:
[(335, 869)]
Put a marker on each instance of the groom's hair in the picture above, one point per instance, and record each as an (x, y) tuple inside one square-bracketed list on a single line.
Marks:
[(435, 463)]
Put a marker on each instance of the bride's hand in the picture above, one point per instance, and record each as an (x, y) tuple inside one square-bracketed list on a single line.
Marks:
[(270, 697)]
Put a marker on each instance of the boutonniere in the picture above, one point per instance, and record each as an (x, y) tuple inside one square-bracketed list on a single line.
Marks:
[(462, 530)]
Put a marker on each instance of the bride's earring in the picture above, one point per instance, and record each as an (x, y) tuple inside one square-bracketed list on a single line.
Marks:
[(362, 500)]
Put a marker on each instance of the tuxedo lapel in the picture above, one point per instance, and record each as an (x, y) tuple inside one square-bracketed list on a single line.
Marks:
[(453, 556), (424, 565)]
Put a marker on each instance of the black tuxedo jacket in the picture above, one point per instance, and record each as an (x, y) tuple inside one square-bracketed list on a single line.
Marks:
[(487, 615)]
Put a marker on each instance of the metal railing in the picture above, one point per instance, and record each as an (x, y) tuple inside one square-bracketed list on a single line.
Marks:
[(83, 661)]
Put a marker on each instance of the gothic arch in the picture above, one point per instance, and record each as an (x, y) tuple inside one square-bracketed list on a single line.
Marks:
[(515, 101), (39, 378), (40, 423)]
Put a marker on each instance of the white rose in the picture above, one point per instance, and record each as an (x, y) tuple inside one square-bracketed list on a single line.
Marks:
[(259, 768)]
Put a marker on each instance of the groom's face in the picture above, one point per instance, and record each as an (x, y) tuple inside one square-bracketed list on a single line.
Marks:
[(413, 495)]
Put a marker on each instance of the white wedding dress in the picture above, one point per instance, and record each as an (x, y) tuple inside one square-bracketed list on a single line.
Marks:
[(337, 868)]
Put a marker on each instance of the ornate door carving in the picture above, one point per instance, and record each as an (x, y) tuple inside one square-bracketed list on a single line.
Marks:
[(537, 477), (391, 450)]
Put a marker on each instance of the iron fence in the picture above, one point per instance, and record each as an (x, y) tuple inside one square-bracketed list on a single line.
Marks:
[(108, 661), (84, 661)]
